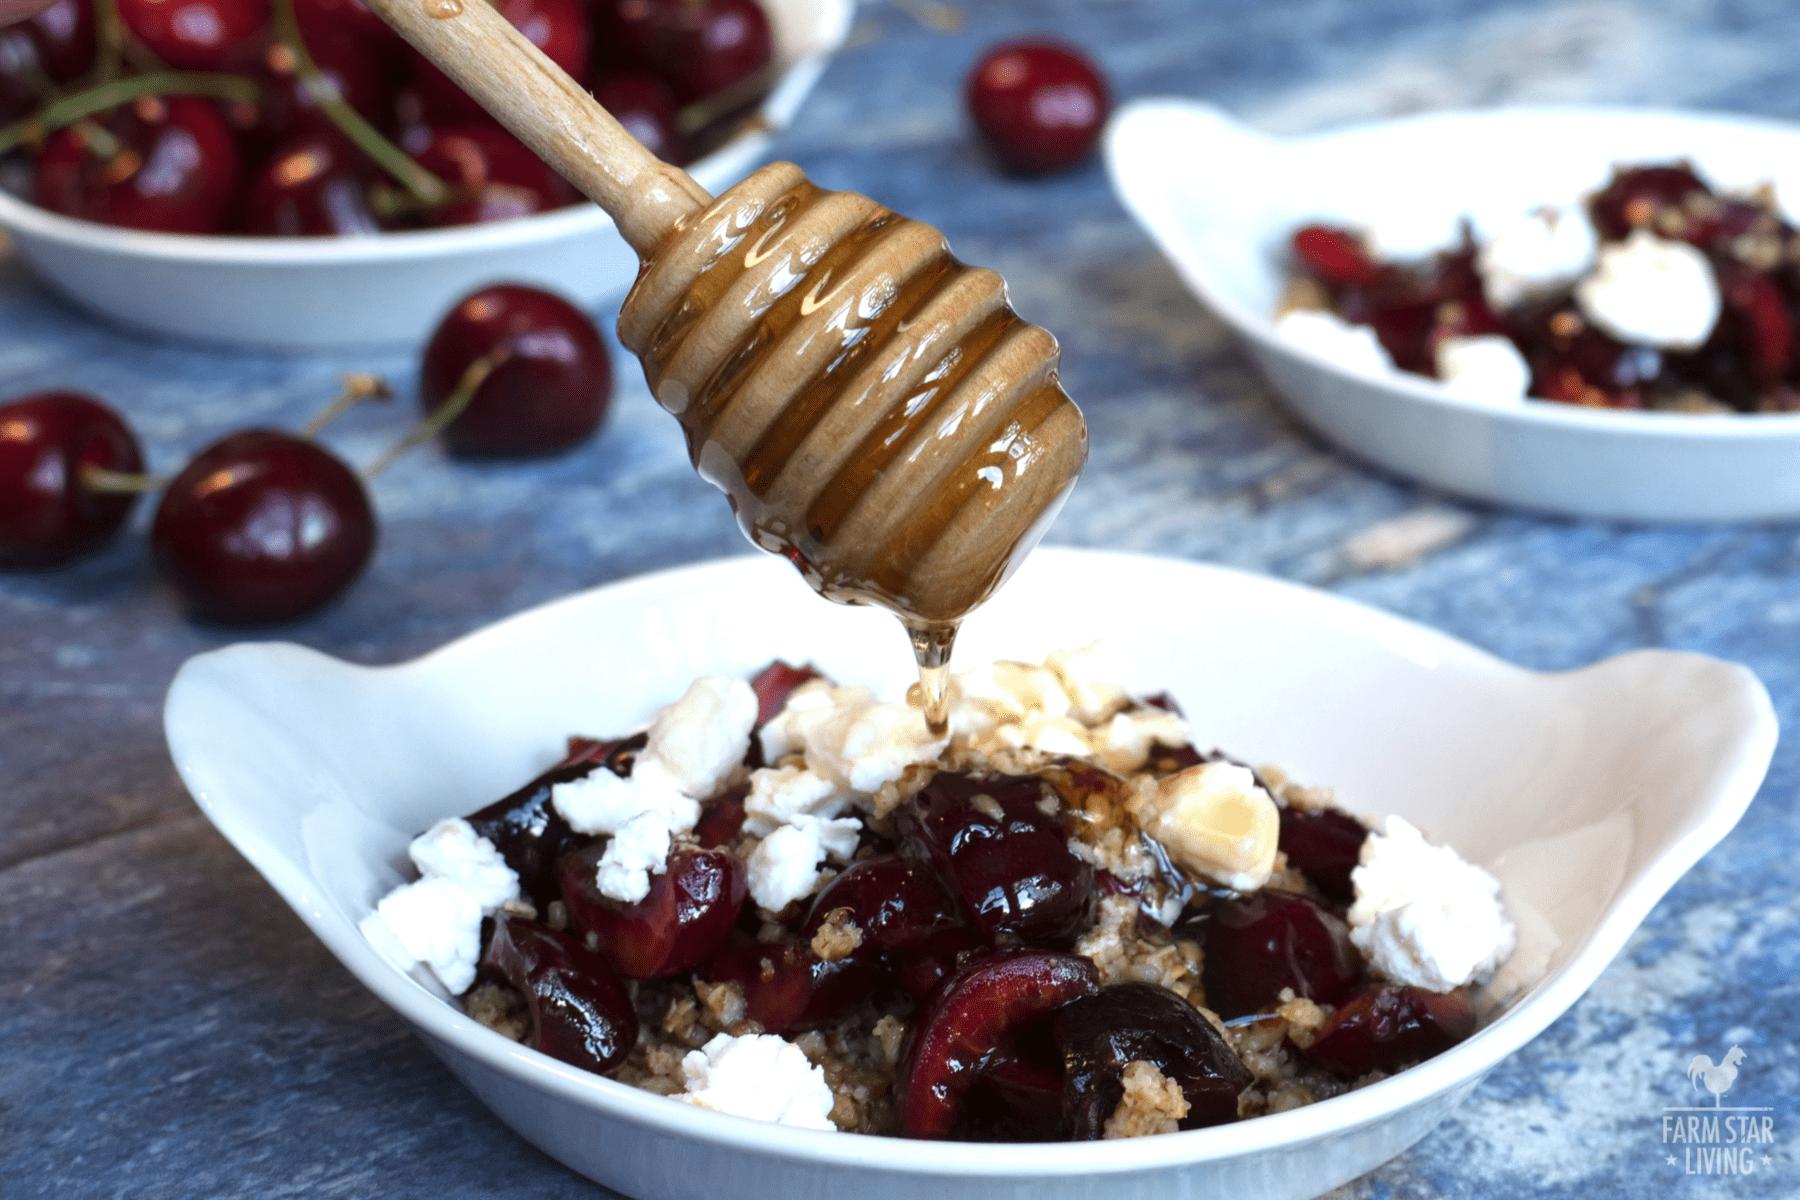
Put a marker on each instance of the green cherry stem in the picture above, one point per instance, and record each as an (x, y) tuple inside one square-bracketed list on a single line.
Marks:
[(104, 96), (473, 376)]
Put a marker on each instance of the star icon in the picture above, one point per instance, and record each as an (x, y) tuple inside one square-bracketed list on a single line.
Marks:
[(1767, 1161), (1671, 1159)]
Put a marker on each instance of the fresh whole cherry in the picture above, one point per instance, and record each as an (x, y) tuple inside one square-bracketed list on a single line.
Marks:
[(325, 18), (557, 27), (965, 1020), (64, 37), (689, 913), (1386, 1026), (315, 186), (262, 527), (21, 75), (1256, 945), (550, 384), (48, 514), (1101, 1035), (494, 176), (288, 107), (645, 106), (164, 163), (580, 1013), (1005, 858), (195, 35), (701, 47), (1038, 104)]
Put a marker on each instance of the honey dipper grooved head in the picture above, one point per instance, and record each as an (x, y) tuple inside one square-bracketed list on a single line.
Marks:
[(874, 408)]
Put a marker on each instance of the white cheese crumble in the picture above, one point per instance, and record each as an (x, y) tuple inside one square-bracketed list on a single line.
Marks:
[(1488, 368), (780, 795), (693, 747), (1423, 916), (1536, 253), (1215, 821), (437, 919), (1651, 291), (785, 865), (848, 738), (1352, 347), (763, 1077)]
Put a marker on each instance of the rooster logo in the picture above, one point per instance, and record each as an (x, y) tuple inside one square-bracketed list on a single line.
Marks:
[(1718, 1080)]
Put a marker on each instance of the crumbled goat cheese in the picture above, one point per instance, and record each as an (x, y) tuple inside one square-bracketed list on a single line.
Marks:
[(1652, 291), (1123, 744), (1215, 821), (1352, 347), (785, 865), (1093, 696), (437, 919), (430, 921), (693, 747), (1536, 253), (779, 795), (452, 850), (762, 1076), (849, 738), (1488, 368), (1423, 916)]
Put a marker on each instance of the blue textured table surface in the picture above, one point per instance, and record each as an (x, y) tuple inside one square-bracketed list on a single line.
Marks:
[(171, 1030)]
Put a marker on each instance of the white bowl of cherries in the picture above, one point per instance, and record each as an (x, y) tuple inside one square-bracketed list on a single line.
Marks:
[(164, 198), (1654, 372), (323, 773)]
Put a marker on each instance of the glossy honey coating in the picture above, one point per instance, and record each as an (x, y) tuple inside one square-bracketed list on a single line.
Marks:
[(874, 408)]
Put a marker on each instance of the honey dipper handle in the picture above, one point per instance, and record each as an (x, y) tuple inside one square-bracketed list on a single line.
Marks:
[(550, 112)]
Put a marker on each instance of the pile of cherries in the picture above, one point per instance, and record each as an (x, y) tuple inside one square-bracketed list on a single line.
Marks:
[(215, 122), (968, 917), (266, 526), (1747, 364)]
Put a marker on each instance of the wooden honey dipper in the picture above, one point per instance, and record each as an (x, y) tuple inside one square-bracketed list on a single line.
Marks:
[(875, 410)]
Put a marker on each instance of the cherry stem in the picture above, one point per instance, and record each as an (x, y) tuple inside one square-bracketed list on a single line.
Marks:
[(396, 162), (473, 376), (109, 38), (705, 111), (358, 386), (932, 14), (104, 96), (101, 479)]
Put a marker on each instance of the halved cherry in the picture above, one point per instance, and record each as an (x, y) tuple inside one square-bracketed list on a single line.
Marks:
[(531, 835), (1335, 255), (687, 916), (1016, 1097), (965, 1020), (1101, 1035), (1386, 1026), (1323, 845), (580, 1013), (1258, 944), (1006, 859), (722, 818), (1635, 196), (774, 684), (899, 904), (787, 986)]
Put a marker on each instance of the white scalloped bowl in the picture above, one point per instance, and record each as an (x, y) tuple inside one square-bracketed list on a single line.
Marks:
[(1587, 793), (1221, 199), (303, 294)]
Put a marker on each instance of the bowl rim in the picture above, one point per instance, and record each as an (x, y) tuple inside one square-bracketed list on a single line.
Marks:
[(1260, 328), (439, 1021)]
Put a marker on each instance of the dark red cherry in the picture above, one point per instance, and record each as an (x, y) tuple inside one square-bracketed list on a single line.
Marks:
[(774, 684), (1015, 1098), (316, 186), (21, 75), (549, 393), (169, 163), (580, 1013), (722, 819), (495, 176), (900, 905), (531, 835), (1258, 944), (326, 18), (47, 515), (1005, 858), (786, 986), (1751, 346), (557, 27), (1101, 1035), (1336, 256), (1324, 845), (687, 916), (64, 37), (701, 47), (1038, 104), (288, 108), (1575, 363), (195, 35), (967, 1018), (1387, 1026), (262, 527), (645, 106), (1637, 196)]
